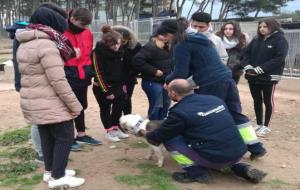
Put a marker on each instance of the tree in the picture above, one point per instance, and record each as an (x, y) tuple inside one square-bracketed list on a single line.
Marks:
[(257, 6), (179, 7), (201, 4)]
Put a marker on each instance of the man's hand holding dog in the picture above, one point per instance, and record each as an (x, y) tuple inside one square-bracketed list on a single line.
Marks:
[(141, 133)]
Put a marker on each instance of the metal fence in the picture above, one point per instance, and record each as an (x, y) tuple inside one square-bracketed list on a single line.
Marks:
[(144, 29)]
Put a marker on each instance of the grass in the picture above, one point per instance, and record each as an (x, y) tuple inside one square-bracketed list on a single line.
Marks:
[(122, 160), (23, 153), (14, 169), (152, 178), (17, 171), (15, 137), (139, 144), (23, 182), (277, 183)]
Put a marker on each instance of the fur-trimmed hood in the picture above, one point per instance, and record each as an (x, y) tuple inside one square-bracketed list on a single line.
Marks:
[(133, 38)]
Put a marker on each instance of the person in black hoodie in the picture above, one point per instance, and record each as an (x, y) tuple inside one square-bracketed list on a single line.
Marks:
[(154, 62), (131, 47), (109, 83), (264, 61)]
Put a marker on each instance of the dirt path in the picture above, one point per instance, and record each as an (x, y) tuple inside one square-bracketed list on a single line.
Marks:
[(99, 167)]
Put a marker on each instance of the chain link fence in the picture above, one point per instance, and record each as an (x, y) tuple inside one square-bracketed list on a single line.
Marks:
[(144, 29)]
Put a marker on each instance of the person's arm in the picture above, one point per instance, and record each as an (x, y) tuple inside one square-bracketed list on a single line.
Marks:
[(278, 60), (222, 51), (141, 62), (245, 59), (172, 126), (53, 65), (99, 72), (182, 57)]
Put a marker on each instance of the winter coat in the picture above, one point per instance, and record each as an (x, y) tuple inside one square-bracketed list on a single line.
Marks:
[(109, 69), (197, 57), (206, 126), (79, 70), (234, 61), (153, 57), (46, 96), (130, 50), (218, 45), (266, 57)]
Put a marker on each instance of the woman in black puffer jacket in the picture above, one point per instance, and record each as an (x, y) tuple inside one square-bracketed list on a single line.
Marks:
[(264, 61), (154, 62)]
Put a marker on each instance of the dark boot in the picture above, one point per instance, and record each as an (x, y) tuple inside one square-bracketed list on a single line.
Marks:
[(257, 150), (192, 174), (248, 172)]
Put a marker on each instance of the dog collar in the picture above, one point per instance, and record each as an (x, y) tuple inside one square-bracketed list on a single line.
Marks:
[(139, 123)]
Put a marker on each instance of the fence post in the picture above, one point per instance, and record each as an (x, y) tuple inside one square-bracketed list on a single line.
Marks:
[(151, 26)]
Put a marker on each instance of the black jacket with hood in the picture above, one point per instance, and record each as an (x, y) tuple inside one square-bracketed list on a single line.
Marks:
[(152, 57), (266, 56)]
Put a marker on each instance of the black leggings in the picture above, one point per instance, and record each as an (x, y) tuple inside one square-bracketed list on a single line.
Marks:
[(56, 141), (128, 104), (263, 93), (110, 110), (81, 94)]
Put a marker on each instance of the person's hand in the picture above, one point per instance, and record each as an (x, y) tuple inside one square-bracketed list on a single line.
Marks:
[(141, 133), (251, 72), (77, 50), (159, 73), (75, 114), (110, 97), (166, 86)]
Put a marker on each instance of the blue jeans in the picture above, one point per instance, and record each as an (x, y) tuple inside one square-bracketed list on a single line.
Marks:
[(159, 101)]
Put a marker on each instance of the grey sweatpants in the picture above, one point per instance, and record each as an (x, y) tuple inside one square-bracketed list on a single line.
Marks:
[(36, 140)]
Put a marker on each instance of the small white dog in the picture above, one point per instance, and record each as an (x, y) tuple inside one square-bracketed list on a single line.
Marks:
[(134, 123)]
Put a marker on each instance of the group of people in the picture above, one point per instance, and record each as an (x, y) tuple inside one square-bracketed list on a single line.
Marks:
[(206, 129)]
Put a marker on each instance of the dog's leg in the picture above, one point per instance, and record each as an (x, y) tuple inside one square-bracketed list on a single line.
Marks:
[(159, 154), (150, 154)]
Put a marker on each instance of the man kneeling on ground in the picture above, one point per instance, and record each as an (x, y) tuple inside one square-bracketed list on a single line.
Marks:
[(200, 134)]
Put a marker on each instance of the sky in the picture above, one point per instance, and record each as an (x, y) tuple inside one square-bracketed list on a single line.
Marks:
[(291, 7)]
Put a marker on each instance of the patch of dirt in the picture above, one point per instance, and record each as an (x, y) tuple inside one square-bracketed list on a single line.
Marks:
[(99, 165)]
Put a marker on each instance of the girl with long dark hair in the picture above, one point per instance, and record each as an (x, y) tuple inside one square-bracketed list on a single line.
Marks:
[(235, 42), (264, 62)]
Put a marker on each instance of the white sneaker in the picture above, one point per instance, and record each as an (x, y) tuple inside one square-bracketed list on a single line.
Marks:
[(120, 134), (257, 127), (112, 136), (47, 174), (263, 131), (66, 181)]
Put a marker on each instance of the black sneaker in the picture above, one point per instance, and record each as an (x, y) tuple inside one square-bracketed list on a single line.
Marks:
[(183, 177), (88, 140), (255, 175), (255, 156)]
